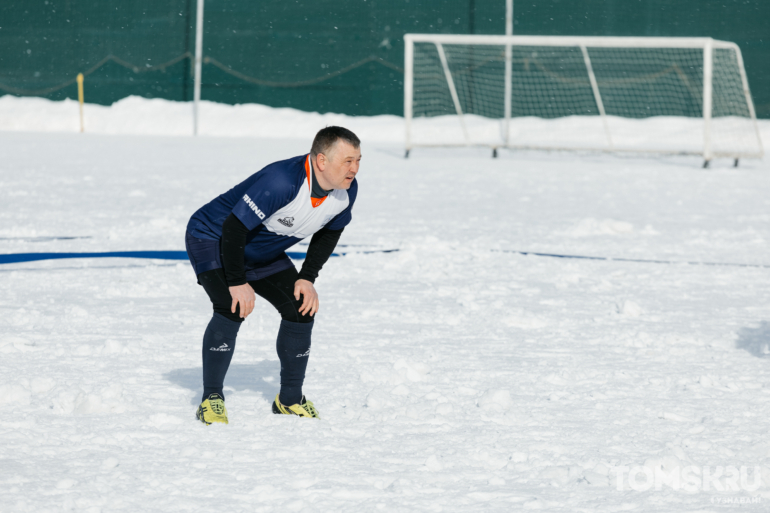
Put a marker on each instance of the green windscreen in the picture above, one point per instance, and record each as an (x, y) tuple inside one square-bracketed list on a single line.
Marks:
[(344, 56)]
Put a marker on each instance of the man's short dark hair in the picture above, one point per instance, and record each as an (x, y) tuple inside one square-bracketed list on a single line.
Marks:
[(326, 137)]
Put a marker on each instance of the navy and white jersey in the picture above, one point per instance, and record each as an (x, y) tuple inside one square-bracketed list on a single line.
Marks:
[(275, 205)]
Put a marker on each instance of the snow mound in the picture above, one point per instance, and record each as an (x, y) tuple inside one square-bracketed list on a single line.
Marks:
[(142, 116), (496, 399)]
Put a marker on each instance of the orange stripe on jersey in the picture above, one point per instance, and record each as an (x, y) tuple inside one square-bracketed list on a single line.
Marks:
[(313, 201)]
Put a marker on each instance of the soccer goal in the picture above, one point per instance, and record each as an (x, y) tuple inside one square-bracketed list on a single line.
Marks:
[(629, 94)]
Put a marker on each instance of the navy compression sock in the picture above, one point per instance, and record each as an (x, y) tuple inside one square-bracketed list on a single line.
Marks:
[(293, 346), (218, 347)]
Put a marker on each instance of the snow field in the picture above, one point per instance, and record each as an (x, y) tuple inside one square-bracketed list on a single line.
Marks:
[(451, 375)]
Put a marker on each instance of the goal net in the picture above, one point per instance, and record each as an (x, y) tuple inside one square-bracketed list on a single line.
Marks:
[(667, 95)]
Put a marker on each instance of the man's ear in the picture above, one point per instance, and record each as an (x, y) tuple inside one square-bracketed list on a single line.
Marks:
[(321, 161)]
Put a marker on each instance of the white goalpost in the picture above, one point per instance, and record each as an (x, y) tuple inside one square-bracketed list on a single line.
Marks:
[(198, 64), (627, 94)]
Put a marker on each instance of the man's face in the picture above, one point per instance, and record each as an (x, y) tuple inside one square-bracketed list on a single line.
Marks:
[(340, 167)]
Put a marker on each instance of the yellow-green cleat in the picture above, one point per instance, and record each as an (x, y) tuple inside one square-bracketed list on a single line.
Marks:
[(212, 409), (305, 408)]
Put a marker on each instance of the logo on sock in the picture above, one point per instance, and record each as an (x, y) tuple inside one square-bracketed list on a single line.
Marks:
[(307, 353), (223, 347)]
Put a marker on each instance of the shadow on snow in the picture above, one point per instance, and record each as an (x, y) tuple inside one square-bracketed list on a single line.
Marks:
[(240, 378), (755, 340)]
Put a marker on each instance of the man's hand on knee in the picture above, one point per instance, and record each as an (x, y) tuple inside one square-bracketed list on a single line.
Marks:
[(309, 297), (243, 295)]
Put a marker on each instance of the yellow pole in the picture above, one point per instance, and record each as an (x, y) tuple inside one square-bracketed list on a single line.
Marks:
[(80, 100)]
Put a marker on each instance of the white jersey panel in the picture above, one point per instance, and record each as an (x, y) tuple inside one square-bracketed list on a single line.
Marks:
[(299, 219)]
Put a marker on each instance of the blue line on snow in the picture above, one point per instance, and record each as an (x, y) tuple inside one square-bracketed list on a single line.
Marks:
[(158, 255), (636, 260), (182, 255)]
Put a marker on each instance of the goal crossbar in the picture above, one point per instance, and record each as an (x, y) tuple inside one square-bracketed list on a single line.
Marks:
[(597, 41)]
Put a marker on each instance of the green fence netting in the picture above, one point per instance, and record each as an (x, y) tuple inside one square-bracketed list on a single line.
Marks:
[(344, 56)]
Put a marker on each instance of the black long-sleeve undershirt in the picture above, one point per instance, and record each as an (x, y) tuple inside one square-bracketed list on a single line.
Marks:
[(234, 234), (319, 250)]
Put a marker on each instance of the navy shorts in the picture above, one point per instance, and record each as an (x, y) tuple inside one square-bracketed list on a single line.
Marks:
[(206, 255)]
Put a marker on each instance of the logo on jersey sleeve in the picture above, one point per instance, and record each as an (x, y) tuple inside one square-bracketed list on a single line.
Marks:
[(253, 206), (287, 221)]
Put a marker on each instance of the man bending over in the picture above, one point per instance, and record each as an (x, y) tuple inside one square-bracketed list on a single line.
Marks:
[(237, 243)]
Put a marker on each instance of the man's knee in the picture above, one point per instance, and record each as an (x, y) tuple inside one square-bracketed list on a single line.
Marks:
[(215, 285), (290, 312), (227, 313)]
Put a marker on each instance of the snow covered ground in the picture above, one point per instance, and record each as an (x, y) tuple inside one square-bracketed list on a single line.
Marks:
[(140, 116), (452, 375)]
